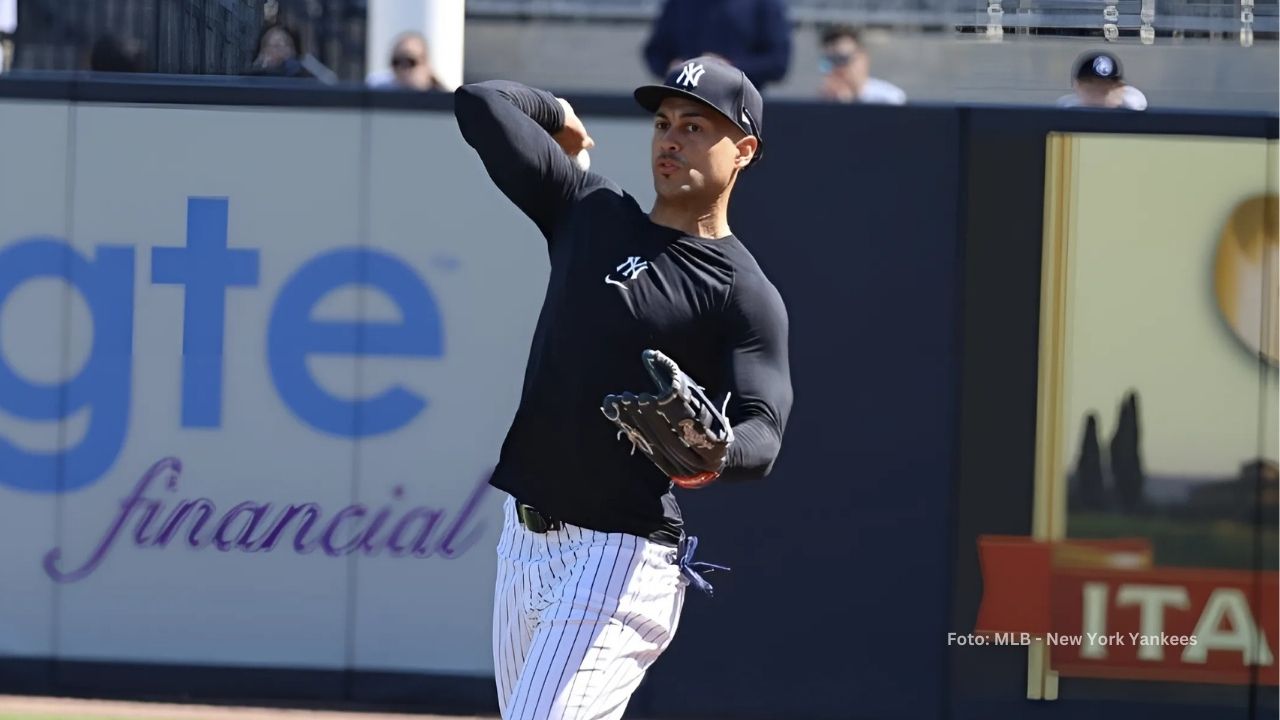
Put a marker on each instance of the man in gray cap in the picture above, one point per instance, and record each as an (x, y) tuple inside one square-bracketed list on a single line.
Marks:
[(1098, 82), (593, 560)]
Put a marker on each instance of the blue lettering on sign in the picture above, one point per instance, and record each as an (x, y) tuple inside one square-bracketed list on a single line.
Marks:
[(103, 386), (206, 268), (292, 336)]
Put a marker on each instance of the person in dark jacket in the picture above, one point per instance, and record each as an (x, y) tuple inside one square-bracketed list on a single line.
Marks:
[(753, 35), (111, 53)]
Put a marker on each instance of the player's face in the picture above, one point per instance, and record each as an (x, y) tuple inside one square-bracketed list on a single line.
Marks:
[(695, 150)]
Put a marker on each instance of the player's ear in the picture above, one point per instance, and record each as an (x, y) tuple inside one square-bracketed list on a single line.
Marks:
[(747, 147)]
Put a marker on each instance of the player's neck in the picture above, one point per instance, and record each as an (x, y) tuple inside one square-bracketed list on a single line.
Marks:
[(702, 220)]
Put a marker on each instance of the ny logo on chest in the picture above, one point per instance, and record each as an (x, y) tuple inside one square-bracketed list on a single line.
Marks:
[(628, 270)]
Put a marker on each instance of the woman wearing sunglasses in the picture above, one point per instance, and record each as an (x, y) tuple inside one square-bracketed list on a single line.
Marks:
[(410, 66)]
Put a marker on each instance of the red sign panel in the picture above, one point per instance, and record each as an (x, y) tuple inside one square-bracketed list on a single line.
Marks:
[(1104, 612)]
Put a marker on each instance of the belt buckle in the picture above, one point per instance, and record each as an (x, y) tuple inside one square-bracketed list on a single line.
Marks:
[(533, 520)]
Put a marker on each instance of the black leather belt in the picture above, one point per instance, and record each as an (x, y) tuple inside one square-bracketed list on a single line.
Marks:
[(533, 520)]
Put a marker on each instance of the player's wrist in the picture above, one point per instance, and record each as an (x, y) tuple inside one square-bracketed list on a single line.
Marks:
[(694, 482)]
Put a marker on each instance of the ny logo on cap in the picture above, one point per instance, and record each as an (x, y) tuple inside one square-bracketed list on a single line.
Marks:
[(1103, 66), (691, 74)]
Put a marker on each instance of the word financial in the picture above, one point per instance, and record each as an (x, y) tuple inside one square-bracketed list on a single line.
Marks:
[(153, 521)]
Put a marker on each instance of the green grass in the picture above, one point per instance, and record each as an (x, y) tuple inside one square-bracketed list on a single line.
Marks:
[(1184, 543)]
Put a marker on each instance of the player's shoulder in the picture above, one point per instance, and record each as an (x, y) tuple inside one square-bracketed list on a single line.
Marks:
[(742, 259), (751, 289), (598, 193)]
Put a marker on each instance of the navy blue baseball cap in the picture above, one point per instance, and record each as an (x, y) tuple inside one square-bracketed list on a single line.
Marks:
[(1098, 65), (716, 83)]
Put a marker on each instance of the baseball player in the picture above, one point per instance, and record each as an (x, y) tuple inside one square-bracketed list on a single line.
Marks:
[(593, 561)]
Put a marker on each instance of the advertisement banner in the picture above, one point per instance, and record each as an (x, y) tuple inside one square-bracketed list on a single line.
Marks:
[(1157, 418), (255, 368)]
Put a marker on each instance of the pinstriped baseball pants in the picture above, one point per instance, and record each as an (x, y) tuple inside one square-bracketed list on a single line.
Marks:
[(579, 616)]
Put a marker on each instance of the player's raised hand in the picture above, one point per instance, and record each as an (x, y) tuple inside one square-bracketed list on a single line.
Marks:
[(573, 136)]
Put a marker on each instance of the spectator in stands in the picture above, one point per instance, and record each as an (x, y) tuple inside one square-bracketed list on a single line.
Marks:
[(1098, 81), (410, 66), (279, 50), (753, 35), (280, 54), (115, 54), (8, 23), (846, 70)]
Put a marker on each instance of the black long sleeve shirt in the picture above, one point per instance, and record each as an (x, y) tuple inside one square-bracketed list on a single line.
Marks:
[(619, 284)]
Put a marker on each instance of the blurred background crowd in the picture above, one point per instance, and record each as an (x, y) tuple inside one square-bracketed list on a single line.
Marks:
[(1212, 54)]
